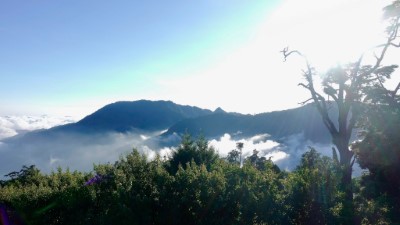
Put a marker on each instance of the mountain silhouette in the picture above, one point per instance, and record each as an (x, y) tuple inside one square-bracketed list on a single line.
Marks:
[(150, 116), (278, 124), (124, 116), (120, 126), (143, 114)]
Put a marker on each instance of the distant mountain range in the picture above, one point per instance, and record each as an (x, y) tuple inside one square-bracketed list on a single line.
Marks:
[(151, 116), (153, 126), (278, 124), (143, 114)]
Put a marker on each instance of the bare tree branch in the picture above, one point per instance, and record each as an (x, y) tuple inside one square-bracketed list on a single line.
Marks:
[(395, 45), (304, 102), (287, 53), (392, 36), (396, 90), (352, 162), (318, 99)]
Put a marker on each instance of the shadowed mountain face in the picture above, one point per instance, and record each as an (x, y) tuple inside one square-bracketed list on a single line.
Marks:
[(143, 115), (116, 128), (150, 116), (278, 124)]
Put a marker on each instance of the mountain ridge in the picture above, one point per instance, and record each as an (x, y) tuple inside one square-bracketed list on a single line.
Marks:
[(145, 116), (278, 124), (99, 137)]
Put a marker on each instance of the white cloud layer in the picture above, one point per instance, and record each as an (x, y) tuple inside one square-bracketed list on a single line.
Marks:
[(77, 151), (81, 151), (225, 144), (13, 125)]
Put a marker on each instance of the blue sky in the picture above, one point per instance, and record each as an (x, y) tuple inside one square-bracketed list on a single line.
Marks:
[(72, 57)]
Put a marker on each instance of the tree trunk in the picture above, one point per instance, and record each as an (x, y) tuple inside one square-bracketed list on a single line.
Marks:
[(346, 184)]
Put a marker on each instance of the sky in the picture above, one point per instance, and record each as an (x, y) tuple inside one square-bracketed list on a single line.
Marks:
[(69, 58)]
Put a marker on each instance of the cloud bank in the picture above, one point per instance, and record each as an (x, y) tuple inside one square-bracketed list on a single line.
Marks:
[(286, 154), (266, 147), (13, 125), (79, 151)]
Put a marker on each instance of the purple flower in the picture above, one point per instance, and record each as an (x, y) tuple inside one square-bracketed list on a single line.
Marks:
[(94, 180)]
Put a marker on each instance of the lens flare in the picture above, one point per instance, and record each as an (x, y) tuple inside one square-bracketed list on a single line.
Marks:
[(3, 216), (44, 209)]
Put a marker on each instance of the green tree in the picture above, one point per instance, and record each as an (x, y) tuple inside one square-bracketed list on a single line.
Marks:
[(379, 152), (196, 150), (197, 196), (313, 191), (27, 175), (234, 156)]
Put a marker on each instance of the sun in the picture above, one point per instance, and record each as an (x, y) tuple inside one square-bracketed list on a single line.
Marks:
[(331, 32)]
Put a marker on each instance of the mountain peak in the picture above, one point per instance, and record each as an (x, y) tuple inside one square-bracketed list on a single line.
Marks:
[(219, 110), (142, 114)]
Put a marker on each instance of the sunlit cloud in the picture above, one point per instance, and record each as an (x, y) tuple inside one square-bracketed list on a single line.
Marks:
[(81, 151), (6, 132), (53, 160), (225, 144), (13, 125), (276, 156), (76, 150), (144, 137), (164, 152)]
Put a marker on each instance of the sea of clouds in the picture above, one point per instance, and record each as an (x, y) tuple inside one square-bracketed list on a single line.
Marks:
[(79, 151), (13, 125)]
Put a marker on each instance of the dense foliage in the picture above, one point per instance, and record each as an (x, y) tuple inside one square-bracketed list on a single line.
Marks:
[(194, 186)]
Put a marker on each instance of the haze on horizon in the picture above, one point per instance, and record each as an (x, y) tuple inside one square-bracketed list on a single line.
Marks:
[(71, 58)]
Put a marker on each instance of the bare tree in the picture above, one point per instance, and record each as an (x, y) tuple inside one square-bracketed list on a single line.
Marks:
[(348, 87)]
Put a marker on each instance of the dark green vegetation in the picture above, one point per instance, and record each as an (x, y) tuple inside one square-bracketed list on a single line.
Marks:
[(195, 186)]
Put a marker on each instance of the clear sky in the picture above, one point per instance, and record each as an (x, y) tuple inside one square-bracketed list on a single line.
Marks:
[(72, 57)]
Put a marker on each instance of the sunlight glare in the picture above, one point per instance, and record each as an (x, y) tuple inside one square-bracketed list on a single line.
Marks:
[(254, 77), (330, 32)]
